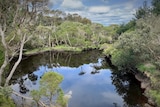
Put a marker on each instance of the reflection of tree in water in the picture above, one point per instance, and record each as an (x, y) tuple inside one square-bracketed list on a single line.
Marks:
[(21, 81), (129, 88), (33, 78), (55, 59), (22, 88)]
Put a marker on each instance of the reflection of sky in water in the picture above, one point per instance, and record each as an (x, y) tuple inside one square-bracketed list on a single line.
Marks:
[(88, 90)]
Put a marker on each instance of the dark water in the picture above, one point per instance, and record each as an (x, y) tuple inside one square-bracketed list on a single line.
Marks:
[(86, 75)]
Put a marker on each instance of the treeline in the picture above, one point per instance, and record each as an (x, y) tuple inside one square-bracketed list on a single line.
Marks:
[(137, 43), (55, 28)]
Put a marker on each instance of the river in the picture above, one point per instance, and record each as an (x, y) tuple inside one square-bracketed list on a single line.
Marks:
[(86, 75)]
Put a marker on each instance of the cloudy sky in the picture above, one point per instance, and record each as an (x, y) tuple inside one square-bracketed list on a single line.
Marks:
[(105, 12)]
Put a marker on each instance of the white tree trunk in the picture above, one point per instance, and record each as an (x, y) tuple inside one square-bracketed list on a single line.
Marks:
[(6, 58), (68, 40), (18, 61)]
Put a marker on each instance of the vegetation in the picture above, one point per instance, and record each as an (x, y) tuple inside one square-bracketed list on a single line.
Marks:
[(5, 100), (27, 27), (49, 87), (137, 45)]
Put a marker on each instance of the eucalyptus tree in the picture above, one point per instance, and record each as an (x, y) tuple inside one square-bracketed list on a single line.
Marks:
[(18, 18), (66, 32), (156, 7), (143, 11)]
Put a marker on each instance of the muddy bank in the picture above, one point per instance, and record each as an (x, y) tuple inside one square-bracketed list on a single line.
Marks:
[(146, 85)]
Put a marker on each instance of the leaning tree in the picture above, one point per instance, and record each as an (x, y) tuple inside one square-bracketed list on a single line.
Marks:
[(18, 20)]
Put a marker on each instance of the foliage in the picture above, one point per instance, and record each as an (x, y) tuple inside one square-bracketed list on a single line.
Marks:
[(156, 7), (130, 26), (7, 14), (49, 87), (143, 11), (125, 59), (51, 80), (147, 67), (5, 100), (36, 95), (110, 49), (146, 11), (49, 83), (61, 100), (156, 96), (140, 45)]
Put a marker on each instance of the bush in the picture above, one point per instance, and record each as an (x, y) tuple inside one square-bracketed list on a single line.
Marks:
[(147, 67), (5, 100), (123, 58), (156, 96)]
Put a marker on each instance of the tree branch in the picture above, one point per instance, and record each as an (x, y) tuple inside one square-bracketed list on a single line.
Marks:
[(28, 98)]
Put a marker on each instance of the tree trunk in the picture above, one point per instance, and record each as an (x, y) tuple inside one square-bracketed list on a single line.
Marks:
[(49, 40), (6, 58), (18, 61), (68, 40), (56, 40)]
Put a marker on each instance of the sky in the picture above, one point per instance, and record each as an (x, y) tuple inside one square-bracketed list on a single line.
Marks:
[(105, 12)]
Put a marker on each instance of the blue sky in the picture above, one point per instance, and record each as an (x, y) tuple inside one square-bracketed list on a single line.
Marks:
[(105, 12)]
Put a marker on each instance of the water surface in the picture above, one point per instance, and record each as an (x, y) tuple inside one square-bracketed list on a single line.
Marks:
[(86, 75)]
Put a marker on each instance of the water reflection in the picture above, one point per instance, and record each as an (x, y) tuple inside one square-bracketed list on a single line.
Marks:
[(129, 88), (92, 84)]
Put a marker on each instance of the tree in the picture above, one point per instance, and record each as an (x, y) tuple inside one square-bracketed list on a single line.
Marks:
[(16, 28), (143, 11), (156, 7), (4, 23), (49, 83), (49, 87), (36, 95), (130, 26), (61, 100)]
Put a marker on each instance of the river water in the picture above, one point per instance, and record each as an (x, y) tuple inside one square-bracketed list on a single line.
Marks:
[(87, 77)]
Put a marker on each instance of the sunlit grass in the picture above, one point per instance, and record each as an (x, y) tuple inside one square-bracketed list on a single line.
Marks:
[(57, 48), (67, 48), (148, 67)]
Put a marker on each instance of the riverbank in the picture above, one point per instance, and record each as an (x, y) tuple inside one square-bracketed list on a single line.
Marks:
[(147, 86), (149, 83), (57, 48)]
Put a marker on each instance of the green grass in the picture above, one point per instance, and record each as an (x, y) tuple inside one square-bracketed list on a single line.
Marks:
[(57, 48), (67, 48), (148, 67)]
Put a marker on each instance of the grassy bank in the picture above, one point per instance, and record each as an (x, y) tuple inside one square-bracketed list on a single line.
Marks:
[(57, 48)]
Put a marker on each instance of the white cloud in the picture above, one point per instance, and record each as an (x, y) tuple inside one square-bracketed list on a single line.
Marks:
[(72, 4), (104, 14), (99, 9), (113, 97)]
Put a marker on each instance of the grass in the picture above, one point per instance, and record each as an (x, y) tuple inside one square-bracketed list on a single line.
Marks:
[(148, 67), (67, 48), (57, 48)]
